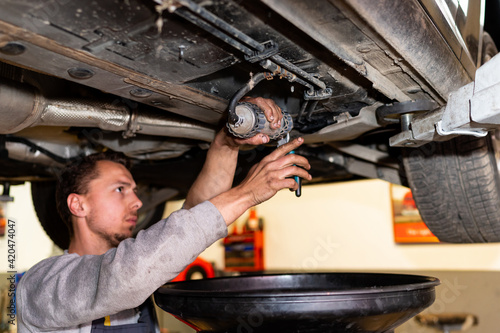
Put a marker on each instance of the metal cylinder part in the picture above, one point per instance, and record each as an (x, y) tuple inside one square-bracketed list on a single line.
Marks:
[(252, 121), (247, 119), (21, 106)]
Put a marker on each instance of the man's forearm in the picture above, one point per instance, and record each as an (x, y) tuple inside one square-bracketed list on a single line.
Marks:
[(217, 173)]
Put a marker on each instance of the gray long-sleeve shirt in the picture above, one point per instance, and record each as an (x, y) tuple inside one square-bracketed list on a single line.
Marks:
[(65, 293)]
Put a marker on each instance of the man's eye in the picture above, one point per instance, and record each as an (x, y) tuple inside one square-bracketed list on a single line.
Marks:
[(119, 189)]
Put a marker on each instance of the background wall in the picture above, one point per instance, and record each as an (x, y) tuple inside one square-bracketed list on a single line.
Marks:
[(348, 226), (355, 221), (32, 243)]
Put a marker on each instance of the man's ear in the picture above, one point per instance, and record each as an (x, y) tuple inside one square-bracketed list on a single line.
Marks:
[(75, 205)]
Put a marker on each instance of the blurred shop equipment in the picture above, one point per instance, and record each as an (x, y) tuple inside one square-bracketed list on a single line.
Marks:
[(3, 221), (409, 228), (448, 322), (198, 269), (244, 251), (4, 198)]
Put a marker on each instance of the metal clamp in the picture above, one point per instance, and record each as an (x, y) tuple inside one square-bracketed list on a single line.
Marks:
[(132, 126), (270, 48), (317, 95), (474, 132)]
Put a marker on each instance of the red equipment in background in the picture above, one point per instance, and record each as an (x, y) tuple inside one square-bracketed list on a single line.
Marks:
[(244, 252), (198, 269)]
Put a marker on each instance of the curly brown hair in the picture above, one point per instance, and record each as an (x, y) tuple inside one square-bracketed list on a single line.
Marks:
[(76, 177)]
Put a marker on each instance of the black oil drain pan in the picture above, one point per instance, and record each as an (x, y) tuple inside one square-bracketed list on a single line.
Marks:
[(309, 302)]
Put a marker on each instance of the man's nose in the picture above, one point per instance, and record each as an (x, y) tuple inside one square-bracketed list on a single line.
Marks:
[(137, 203)]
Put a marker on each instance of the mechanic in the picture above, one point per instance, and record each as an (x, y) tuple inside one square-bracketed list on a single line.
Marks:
[(104, 280)]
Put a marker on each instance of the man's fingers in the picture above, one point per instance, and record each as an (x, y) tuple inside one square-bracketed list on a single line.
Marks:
[(297, 160), (273, 113), (271, 110), (292, 185), (292, 171), (287, 166), (277, 171), (255, 140), (285, 178), (289, 146), (283, 150)]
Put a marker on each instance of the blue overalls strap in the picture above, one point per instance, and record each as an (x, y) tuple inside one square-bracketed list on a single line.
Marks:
[(145, 324)]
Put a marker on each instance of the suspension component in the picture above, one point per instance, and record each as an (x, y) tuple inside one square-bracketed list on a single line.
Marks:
[(389, 114), (265, 53)]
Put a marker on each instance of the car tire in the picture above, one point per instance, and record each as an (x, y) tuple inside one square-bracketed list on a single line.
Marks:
[(489, 48), (196, 273), (456, 184), (43, 197), (456, 187)]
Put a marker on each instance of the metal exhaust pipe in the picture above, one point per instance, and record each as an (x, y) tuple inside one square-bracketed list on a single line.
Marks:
[(22, 106)]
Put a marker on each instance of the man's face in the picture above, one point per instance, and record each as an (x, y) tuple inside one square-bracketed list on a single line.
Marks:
[(112, 203)]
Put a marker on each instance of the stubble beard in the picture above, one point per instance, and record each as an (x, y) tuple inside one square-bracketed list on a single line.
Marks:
[(111, 239)]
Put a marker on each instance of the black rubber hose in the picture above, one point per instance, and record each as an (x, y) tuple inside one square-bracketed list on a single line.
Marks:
[(233, 117), (42, 150)]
